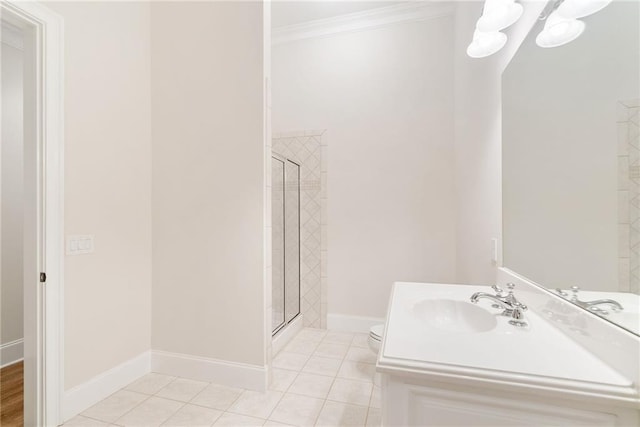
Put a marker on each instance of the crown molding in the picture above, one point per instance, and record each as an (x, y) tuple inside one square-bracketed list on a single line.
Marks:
[(360, 21), (11, 36)]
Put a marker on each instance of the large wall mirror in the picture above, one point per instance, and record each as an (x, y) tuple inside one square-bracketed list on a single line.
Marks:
[(571, 164)]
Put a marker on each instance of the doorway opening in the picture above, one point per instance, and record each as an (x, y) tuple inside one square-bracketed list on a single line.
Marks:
[(32, 140), (11, 227)]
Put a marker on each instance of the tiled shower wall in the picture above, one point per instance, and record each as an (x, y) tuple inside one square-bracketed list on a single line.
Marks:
[(629, 195), (308, 149)]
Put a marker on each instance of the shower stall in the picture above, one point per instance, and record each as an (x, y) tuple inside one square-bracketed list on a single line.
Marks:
[(285, 241)]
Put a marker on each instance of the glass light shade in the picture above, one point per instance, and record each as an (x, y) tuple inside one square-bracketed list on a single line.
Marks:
[(559, 30), (485, 44), (581, 8), (498, 15)]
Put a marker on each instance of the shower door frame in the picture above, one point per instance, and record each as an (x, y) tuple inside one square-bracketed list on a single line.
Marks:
[(285, 322)]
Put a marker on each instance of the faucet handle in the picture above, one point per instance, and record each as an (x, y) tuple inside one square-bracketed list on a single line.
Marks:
[(575, 290), (520, 305), (511, 298), (498, 289)]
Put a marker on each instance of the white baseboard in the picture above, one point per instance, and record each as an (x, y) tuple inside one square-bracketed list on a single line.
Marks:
[(345, 323), (11, 352), (223, 372), (282, 338), (93, 391)]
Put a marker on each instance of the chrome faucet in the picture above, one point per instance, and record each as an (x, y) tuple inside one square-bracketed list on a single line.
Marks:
[(594, 305), (508, 303)]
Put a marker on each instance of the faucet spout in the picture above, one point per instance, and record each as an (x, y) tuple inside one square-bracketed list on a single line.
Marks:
[(594, 305), (613, 303), (510, 305), (479, 295)]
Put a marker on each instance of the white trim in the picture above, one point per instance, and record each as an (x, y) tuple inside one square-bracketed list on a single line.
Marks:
[(223, 372), (43, 35), (286, 334), (359, 21), (11, 352), (12, 36), (101, 386), (346, 323)]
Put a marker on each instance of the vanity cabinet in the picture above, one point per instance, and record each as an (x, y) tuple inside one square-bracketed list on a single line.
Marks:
[(407, 402)]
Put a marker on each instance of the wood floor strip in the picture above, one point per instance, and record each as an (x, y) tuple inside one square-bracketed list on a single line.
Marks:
[(11, 395)]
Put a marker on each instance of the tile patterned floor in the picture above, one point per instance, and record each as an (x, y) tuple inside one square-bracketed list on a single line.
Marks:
[(321, 378)]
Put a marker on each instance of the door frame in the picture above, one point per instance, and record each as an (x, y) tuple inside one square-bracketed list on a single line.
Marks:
[(44, 204)]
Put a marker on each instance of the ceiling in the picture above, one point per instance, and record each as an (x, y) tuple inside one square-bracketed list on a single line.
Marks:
[(285, 13)]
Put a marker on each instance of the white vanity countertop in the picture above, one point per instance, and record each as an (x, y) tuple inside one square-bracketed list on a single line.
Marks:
[(539, 355)]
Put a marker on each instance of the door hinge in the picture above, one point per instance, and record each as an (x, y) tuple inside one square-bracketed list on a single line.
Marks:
[(43, 277)]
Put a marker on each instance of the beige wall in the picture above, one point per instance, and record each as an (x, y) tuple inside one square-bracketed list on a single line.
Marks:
[(477, 153), (478, 142), (12, 196), (107, 184), (207, 104), (385, 97)]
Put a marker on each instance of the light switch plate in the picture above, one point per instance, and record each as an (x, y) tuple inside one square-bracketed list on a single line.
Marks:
[(78, 245)]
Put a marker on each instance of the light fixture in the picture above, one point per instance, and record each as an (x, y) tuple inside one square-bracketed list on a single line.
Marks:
[(559, 30), (581, 8), (561, 27), (485, 44), (498, 15)]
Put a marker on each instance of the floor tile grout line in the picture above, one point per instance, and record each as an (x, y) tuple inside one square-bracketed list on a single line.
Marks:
[(348, 403), (282, 397), (199, 393), (138, 404), (315, 423), (117, 391), (270, 412), (240, 415), (175, 412), (216, 419), (326, 398), (177, 400), (276, 405), (173, 399), (95, 419), (167, 385), (366, 419), (150, 394), (236, 399)]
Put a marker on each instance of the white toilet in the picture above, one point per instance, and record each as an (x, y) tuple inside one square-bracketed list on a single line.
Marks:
[(375, 337)]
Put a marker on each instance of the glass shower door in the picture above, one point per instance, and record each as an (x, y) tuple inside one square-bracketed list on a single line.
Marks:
[(292, 240), (285, 241), (277, 243)]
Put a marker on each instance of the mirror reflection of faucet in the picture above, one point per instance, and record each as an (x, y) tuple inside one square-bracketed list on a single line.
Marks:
[(594, 306), (508, 303)]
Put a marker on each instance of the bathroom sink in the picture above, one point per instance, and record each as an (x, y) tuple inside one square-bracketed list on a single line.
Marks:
[(454, 315)]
